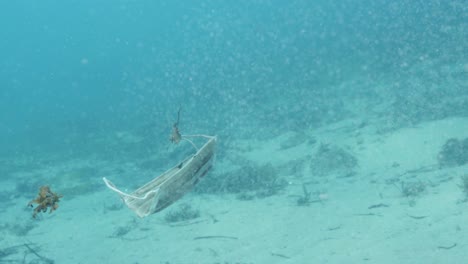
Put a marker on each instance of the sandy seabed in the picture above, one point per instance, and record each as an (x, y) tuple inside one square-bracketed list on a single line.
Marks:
[(363, 218)]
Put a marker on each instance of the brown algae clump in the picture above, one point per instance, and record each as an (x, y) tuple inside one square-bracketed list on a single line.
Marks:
[(45, 199)]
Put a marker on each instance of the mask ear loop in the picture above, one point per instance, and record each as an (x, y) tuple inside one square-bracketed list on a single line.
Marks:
[(185, 137), (111, 186), (191, 142)]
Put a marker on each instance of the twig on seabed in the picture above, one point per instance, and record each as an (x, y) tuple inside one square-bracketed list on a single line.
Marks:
[(209, 237), (46, 260), (449, 247), (378, 206), (279, 255), (417, 217), (368, 214)]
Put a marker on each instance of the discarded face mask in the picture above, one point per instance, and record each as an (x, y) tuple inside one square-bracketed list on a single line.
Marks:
[(170, 186)]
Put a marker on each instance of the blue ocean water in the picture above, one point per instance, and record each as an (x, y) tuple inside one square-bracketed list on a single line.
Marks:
[(85, 78), (81, 66)]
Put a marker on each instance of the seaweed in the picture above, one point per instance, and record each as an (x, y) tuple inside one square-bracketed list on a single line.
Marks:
[(31, 249), (176, 137), (247, 182), (183, 213), (304, 200), (464, 184), (46, 199), (453, 153), (294, 167), (331, 159), (121, 231), (412, 189)]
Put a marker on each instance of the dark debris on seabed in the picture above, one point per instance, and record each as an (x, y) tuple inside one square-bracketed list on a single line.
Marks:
[(453, 153), (26, 253), (247, 182)]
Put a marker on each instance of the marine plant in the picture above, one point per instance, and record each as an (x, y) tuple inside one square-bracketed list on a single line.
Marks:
[(249, 181), (185, 212), (45, 199), (412, 189), (176, 137), (331, 159), (453, 153), (464, 184), (304, 200)]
